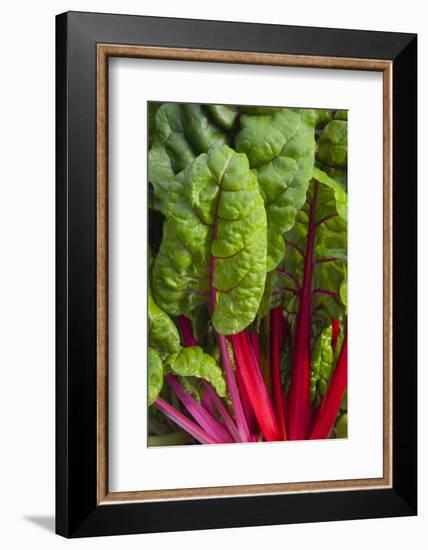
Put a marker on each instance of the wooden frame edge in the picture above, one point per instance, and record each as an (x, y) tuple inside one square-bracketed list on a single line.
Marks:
[(102, 271), (104, 51)]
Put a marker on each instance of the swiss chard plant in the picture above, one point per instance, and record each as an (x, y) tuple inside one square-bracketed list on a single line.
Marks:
[(247, 303)]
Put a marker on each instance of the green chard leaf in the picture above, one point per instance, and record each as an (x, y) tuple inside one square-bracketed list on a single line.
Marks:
[(201, 133), (322, 363), (167, 355), (344, 293), (152, 109), (155, 375), (258, 110), (332, 148), (280, 145), (201, 324), (344, 404), (340, 195), (341, 427), (322, 117), (193, 362), (163, 334), (193, 386), (341, 115), (329, 258), (223, 115), (178, 133), (214, 243)]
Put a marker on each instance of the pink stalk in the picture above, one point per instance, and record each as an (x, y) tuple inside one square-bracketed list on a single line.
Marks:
[(256, 389), (241, 422), (241, 434), (275, 355), (207, 403), (183, 422), (222, 410), (255, 342), (210, 424), (299, 397), (330, 407), (186, 331), (248, 409)]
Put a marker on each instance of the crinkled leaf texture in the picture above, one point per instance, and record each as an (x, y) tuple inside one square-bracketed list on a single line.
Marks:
[(167, 355), (340, 195), (163, 334), (322, 360), (192, 361), (333, 144), (155, 375), (280, 145), (178, 133), (330, 257), (223, 115), (332, 150), (214, 243)]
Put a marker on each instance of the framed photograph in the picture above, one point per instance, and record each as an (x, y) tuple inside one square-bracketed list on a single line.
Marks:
[(236, 274)]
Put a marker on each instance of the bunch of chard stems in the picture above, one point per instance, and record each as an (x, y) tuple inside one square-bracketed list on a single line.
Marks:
[(259, 409)]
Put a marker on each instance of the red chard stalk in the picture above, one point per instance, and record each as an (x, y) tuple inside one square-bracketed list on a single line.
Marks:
[(256, 389), (299, 399), (276, 327), (330, 407)]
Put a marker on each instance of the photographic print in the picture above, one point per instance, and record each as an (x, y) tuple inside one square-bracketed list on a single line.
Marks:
[(247, 298), (205, 244)]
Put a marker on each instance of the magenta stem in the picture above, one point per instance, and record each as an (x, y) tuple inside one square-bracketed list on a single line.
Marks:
[(299, 397), (330, 407), (275, 356), (257, 393), (246, 405), (241, 422), (222, 410), (186, 331), (207, 403), (199, 413), (244, 433), (255, 342), (183, 422)]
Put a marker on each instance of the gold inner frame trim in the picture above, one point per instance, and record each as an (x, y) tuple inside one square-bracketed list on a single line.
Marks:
[(104, 51)]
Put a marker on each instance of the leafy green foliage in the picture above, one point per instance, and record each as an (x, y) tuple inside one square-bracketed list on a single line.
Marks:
[(224, 116), (167, 355), (194, 362), (163, 334), (332, 148), (341, 115), (322, 363), (341, 426), (248, 212), (340, 195), (330, 257), (330, 253), (333, 144), (280, 145), (214, 238), (155, 375), (177, 134)]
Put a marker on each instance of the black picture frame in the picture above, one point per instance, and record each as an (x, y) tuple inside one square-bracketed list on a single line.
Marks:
[(77, 511)]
